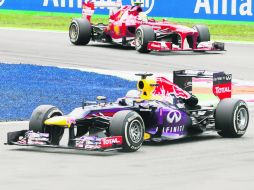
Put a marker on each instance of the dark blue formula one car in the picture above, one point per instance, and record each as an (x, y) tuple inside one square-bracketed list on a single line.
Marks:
[(158, 110)]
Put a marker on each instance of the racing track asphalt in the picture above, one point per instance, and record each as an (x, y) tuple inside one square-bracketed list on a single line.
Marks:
[(204, 162)]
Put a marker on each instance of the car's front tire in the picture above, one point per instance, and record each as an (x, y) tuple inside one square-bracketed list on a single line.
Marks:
[(144, 34), (204, 33), (38, 117), (130, 126), (231, 118)]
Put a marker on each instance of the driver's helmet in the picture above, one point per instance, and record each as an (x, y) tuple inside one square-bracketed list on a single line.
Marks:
[(142, 17)]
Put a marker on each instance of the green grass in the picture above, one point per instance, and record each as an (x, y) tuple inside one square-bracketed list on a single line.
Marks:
[(220, 30)]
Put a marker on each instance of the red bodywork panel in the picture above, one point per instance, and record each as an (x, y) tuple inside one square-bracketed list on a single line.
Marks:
[(128, 16), (222, 85)]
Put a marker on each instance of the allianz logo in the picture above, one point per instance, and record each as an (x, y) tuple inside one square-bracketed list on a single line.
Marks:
[(63, 3), (224, 7), (147, 4), (1, 2)]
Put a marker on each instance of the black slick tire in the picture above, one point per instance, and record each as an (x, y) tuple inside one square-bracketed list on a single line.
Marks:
[(130, 126), (38, 117), (204, 33), (80, 31), (231, 118), (144, 34)]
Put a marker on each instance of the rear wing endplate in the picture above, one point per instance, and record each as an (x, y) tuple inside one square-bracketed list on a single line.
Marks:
[(89, 6), (222, 82)]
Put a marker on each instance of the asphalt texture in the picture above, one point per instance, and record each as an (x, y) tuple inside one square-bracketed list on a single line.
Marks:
[(202, 162)]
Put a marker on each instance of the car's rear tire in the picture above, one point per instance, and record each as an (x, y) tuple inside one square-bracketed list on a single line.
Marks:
[(36, 123), (80, 31), (144, 34), (130, 126), (231, 118), (204, 33)]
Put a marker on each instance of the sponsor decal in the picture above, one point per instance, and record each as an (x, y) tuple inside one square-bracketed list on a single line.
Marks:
[(91, 147), (146, 4), (228, 77), (220, 78), (175, 129), (222, 90), (135, 147), (224, 7), (222, 85), (155, 45), (109, 142), (166, 88), (1, 2), (179, 129), (219, 90), (62, 3), (174, 116)]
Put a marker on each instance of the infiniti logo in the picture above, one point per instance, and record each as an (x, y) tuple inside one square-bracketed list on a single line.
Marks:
[(1, 2), (174, 116), (148, 4)]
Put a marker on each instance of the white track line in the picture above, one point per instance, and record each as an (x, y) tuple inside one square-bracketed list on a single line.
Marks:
[(13, 122), (66, 32), (33, 30)]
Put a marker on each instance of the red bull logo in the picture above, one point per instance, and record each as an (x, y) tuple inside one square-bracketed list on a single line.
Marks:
[(167, 88)]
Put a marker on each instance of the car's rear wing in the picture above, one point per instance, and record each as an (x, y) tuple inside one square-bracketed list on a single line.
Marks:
[(89, 6), (222, 83)]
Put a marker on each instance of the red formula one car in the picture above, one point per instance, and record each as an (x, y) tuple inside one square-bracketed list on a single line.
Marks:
[(129, 26)]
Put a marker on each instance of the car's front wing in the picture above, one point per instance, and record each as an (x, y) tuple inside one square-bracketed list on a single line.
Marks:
[(168, 46), (89, 143)]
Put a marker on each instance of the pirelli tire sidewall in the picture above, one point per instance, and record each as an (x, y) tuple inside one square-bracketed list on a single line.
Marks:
[(120, 126), (226, 118)]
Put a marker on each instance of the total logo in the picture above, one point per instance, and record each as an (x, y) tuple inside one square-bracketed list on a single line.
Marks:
[(1, 2), (109, 142), (225, 7), (219, 90), (174, 116)]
